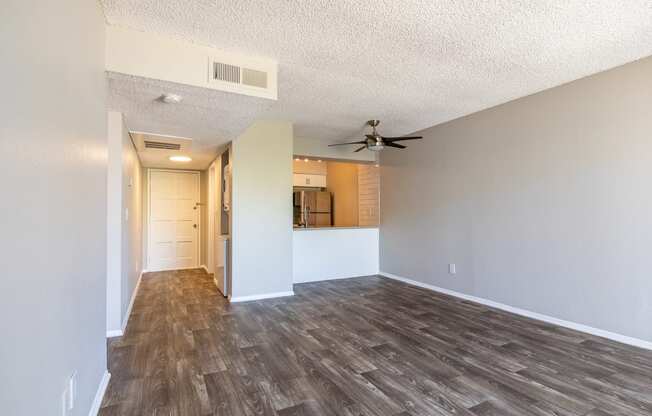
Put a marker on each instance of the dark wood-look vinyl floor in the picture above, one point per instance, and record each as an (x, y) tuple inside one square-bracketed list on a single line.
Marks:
[(364, 346)]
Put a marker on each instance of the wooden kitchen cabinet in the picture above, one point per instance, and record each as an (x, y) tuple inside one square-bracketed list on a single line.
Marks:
[(304, 180)]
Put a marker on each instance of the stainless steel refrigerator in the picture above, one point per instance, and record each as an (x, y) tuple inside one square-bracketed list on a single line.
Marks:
[(312, 209)]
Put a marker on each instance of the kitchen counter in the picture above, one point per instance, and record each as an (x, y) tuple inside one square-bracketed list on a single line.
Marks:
[(332, 228)]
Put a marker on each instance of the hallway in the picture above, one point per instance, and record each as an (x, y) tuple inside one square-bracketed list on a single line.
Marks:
[(188, 352)]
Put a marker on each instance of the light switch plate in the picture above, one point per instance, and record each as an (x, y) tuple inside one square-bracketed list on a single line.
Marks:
[(452, 268), (65, 397), (73, 390)]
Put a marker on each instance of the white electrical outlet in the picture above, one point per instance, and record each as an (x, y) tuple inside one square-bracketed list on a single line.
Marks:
[(451, 268)]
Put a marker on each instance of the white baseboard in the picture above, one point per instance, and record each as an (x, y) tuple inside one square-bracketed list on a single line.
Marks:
[(334, 278), (529, 314), (131, 303), (203, 266), (259, 297), (114, 333), (120, 332), (99, 395)]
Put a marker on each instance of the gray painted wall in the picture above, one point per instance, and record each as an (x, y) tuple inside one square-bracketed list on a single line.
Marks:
[(124, 221), (114, 207), (262, 210), (544, 203), (53, 250), (131, 216)]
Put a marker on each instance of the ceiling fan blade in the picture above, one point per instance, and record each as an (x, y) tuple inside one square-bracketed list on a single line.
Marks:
[(398, 146), (361, 148), (396, 139), (342, 144)]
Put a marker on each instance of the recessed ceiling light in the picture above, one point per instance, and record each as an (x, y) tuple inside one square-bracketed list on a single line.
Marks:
[(169, 98), (180, 158)]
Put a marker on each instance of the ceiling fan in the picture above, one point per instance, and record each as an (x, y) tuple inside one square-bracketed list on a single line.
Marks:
[(376, 142)]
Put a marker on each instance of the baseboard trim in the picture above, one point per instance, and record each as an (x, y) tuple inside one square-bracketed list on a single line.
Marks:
[(99, 395), (335, 278), (636, 342), (114, 333), (250, 298), (120, 332), (125, 321), (203, 266)]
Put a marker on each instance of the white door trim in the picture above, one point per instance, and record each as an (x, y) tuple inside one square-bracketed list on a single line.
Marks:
[(210, 217), (149, 216)]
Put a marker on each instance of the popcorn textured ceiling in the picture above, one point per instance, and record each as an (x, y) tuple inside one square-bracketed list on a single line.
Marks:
[(412, 64)]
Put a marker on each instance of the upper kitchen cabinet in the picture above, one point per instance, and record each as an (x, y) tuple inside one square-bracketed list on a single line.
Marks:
[(312, 181), (309, 173)]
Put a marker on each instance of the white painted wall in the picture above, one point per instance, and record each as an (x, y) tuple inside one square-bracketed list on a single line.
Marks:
[(544, 203), (334, 253), (319, 148), (124, 224), (262, 210), (53, 251)]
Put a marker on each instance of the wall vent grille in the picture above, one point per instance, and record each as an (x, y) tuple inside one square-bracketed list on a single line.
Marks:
[(226, 72), (162, 145), (254, 78), (243, 75)]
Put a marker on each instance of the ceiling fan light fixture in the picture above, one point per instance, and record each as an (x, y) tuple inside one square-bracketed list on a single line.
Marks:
[(375, 142)]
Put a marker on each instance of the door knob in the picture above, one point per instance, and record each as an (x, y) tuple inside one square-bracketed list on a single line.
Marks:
[(194, 226)]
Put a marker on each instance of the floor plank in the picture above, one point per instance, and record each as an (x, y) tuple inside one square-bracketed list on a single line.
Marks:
[(362, 346)]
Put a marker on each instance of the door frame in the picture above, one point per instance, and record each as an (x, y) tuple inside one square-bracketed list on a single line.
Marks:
[(210, 227), (149, 216), (213, 226)]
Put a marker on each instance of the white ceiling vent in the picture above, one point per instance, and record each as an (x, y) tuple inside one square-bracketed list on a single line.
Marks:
[(243, 76), (149, 144), (159, 144), (226, 72), (239, 75)]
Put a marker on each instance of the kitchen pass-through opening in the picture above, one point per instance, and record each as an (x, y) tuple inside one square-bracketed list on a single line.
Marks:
[(335, 193)]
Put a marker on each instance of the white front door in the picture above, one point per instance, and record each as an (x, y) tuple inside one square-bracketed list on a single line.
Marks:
[(173, 220)]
